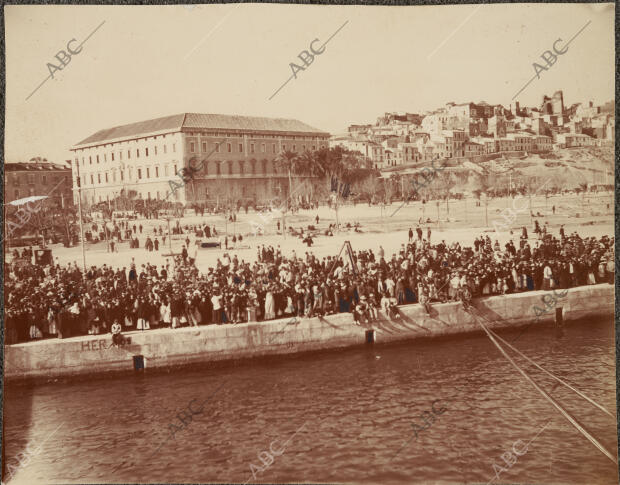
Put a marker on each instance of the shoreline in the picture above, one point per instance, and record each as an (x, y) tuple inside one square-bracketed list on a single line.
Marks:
[(164, 349)]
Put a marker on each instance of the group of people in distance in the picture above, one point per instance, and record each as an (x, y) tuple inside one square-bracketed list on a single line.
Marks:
[(61, 301)]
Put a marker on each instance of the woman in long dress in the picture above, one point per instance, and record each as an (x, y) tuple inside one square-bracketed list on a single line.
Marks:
[(51, 322), (270, 313)]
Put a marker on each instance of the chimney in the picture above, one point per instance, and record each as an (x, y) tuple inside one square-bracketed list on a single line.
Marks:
[(591, 104), (517, 108)]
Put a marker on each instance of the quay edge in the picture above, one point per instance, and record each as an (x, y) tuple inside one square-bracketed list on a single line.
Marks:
[(162, 348)]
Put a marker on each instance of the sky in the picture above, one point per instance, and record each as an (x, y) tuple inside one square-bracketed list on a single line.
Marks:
[(143, 62)]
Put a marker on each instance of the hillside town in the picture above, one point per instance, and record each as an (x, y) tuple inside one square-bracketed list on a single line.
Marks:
[(479, 131)]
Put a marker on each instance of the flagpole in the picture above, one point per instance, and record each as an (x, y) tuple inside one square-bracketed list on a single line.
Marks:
[(79, 184)]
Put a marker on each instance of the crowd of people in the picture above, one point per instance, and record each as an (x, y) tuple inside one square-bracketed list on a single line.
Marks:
[(54, 300)]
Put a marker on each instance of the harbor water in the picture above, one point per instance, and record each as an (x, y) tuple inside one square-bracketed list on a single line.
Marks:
[(441, 411)]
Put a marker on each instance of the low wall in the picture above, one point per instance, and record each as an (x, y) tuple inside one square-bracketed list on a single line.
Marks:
[(161, 348)]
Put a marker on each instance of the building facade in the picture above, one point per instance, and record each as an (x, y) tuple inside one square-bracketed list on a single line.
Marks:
[(236, 156), (26, 179)]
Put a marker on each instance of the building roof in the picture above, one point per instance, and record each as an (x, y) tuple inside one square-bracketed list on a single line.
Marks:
[(34, 166), (189, 121)]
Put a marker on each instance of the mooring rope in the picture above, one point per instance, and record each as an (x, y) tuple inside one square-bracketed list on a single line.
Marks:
[(577, 391), (565, 413)]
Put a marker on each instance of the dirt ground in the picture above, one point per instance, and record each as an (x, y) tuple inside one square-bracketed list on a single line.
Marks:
[(385, 226)]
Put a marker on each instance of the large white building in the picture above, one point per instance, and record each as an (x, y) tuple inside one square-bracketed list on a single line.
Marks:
[(236, 156)]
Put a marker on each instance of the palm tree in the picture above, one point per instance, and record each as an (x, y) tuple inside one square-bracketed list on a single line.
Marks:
[(288, 160), (305, 166), (341, 165)]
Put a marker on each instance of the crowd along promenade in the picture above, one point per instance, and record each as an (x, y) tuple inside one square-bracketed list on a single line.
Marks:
[(168, 348)]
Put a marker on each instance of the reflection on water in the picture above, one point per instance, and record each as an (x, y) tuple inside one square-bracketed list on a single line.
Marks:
[(350, 412)]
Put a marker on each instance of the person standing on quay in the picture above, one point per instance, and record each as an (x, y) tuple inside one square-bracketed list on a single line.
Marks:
[(216, 301)]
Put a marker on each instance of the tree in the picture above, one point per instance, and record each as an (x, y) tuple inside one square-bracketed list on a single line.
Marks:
[(583, 186), (289, 161), (340, 165), (446, 182)]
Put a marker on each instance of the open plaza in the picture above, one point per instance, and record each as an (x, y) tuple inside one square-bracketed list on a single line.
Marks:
[(387, 226)]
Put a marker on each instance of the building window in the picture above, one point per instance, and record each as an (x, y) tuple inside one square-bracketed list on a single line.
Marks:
[(157, 173), (16, 194), (92, 181), (240, 147), (139, 173), (165, 170), (274, 148), (122, 175), (251, 147), (128, 154), (294, 148), (165, 148), (106, 177), (99, 178), (137, 153), (114, 176), (313, 147), (283, 147), (155, 148), (148, 174), (44, 180), (90, 160), (174, 147), (82, 161), (204, 146), (97, 158), (112, 155), (146, 152), (191, 148), (262, 148), (217, 147), (175, 168), (229, 147), (31, 178)]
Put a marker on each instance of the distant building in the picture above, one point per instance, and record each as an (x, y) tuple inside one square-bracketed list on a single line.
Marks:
[(553, 105), (542, 143), (236, 156), (25, 179), (572, 140)]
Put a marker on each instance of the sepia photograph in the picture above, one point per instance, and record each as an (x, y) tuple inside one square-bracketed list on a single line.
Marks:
[(281, 243)]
